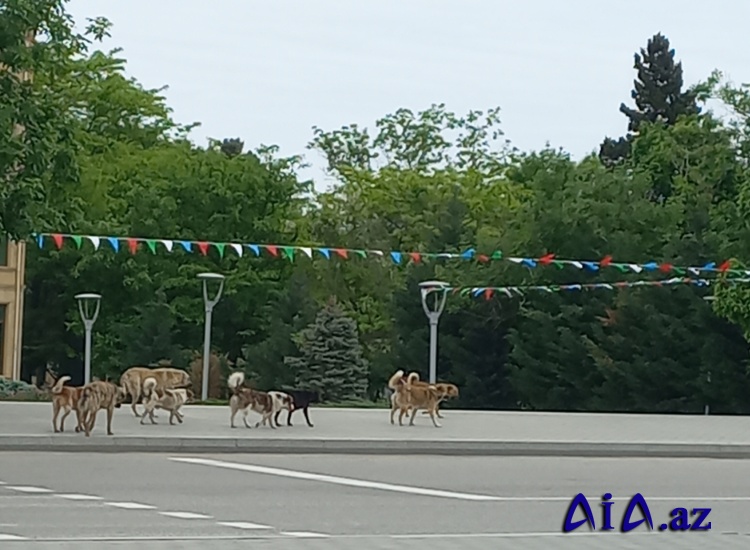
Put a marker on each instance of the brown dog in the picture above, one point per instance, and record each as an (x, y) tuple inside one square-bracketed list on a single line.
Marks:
[(412, 396), (96, 396), (65, 398), (445, 390), (169, 400), (246, 399), (166, 378)]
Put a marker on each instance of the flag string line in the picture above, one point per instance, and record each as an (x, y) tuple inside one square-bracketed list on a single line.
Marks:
[(289, 252)]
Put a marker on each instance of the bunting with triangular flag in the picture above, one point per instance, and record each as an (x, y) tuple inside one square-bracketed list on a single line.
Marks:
[(397, 257), (488, 292)]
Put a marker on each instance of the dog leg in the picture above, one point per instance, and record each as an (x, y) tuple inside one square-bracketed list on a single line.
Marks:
[(110, 414), (289, 417), (413, 415), (79, 421), (401, 414), (55, 413), (434, 420), (68, 410), (307, 418), (135, 396), (244, 418), (231, 417), (276, 418)]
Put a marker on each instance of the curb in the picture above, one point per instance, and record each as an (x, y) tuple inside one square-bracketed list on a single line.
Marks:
[(215, 445)]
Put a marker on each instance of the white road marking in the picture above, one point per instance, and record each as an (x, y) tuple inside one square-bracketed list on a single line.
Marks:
[(337, 480), (305, 534), (75, 496), (3, 483), (11, 537), (185, 515), (244, 525), (28, 489), (131, 505)]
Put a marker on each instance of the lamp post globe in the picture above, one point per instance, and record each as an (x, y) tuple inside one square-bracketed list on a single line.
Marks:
[(86, 300)]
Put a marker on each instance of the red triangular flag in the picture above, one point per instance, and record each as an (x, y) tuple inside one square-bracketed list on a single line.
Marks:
[(416, 257), (546, 259), (606, 261), (488, 292), (666, 268), (341, 252), (273, 249), (725, 266), (58, 240), (203, 247), (132, 245), (483, 258)]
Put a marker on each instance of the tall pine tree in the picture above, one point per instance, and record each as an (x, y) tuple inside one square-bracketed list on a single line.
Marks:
[(657, 93), (330, 357)]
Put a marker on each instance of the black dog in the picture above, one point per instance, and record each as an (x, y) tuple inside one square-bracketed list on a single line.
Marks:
[(302, 400)]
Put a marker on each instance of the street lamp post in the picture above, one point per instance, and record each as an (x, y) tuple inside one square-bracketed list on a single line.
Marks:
[(209, 304), (84, 300), (437, 288)]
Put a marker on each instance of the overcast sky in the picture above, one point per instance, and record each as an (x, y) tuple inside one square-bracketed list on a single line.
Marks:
[(268, 71)]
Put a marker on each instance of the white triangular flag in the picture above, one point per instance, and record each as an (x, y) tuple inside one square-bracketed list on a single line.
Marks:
[(307, 250), (167, 244), (95, 241), (237, 248)]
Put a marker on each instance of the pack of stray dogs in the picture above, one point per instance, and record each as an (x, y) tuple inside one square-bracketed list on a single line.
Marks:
[(168, 389)]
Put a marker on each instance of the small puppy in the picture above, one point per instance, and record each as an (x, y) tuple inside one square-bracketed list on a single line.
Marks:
[(247, 399), (168, 399), (65, 398)]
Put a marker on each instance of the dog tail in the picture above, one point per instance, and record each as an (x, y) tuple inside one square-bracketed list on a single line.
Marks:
[(149, 385), (235, 381), (413, 377), (57, 388), (395, 379)]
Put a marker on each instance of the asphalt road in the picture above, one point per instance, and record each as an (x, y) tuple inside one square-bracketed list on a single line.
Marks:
[(333, 502)]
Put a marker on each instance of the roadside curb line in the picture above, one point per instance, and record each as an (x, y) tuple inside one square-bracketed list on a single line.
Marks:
[(250, 445)]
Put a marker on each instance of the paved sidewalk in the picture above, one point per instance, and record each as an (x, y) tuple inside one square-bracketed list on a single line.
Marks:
[(28, 426)]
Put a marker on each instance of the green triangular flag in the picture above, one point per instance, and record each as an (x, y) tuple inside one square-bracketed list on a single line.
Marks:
[(220, 247), (77, 239), (624, 268), (361, 253), (465, 291), (679, 271), (289, 251), (497, 255), (151, 245), (558, 264)]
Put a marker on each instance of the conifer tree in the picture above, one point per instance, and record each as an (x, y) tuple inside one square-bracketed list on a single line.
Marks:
[(330, 356), (657, 93)]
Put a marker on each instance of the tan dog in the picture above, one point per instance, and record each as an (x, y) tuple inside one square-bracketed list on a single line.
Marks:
[(65, 398), (445, 390), (166, 378), (169, 400), (96, 396), (412, 396), (246, 399)]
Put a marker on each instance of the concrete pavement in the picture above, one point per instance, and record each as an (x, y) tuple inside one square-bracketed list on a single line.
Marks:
[(27, 427), (333, 502)]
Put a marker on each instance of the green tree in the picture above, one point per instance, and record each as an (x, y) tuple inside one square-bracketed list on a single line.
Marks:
[(37, 141), (330, 357), (658, 94)]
